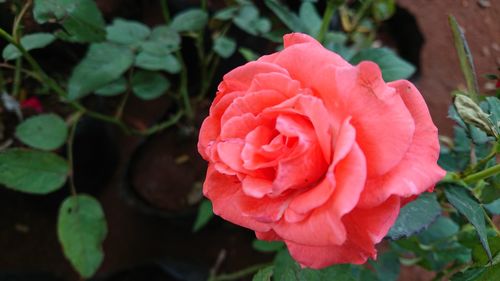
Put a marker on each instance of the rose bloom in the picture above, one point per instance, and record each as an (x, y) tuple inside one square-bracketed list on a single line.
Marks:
[(307, 149)]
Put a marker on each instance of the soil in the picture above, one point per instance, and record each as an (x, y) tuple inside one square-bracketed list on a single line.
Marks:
[(137, 238)]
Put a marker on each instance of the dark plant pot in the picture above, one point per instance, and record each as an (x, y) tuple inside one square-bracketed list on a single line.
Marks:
[(164, 175)]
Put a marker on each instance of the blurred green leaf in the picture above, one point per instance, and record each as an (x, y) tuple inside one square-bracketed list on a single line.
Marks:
[(441, 229), (29, 42), (488, 273), (127, 32), (465, 58), (31, 171), (387, 266), (166, 37), (149, 85), (204, 215), (103, 64), (478, 254), (286, 269), (491, 105), (290, 19), (224, 46), (153, 62), (81, 19), (392, 66), (46, 131), (383, 9), (226, 13), (81, 228), (459, 197), (189, 20), (310, 18), (493, 207), (114, 88), (264, 274), (267, 246), (248, 54), (246, 18), (415, 216)]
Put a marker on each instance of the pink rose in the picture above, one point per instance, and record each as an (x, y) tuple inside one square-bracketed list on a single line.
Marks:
[(305, 148)]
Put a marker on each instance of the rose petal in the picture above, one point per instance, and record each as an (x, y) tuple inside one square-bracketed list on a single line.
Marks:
[(384, 127), (365, 228), (222, 190), (240, 78), (418, 171), (256, 187)]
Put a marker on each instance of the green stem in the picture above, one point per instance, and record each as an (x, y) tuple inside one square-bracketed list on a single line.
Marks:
[(161, 126), (360, 14), (327, 18), (491, 223), (123, 101), (74, 123), (240, 274), (486, 173), (165, 10), (16, 84), (183, 88)]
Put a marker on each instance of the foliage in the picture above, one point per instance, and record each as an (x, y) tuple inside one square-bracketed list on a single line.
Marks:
[(449, 231)]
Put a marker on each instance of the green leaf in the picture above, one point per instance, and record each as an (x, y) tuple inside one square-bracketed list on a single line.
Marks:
[(81, 228), (29, 42), (32, 171), (465, 58), (290, 19), (149, 85), (224, 46), (459, 197), (441, 229), (46, 131), (286, 269), (204, 215), (166, 37), (226, 13), (478, 274), (248, 54), (103, 64), (264, 274), (415, 216), (114, 88), (478, 254), (310, 18), (149, 61), (81, 19), (383, 9), (392, 66), (246, 18), (491, 105), (267, 246), (387, 266), (127, 32), (493, 207), (189, 20)]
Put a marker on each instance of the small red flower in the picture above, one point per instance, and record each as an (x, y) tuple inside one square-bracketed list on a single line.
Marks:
[(32, 103)]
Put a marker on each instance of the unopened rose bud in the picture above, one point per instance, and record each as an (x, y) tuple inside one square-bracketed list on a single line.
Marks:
[(471, 113)]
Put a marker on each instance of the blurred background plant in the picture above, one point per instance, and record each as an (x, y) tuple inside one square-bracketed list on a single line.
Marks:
[(66, 65)]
